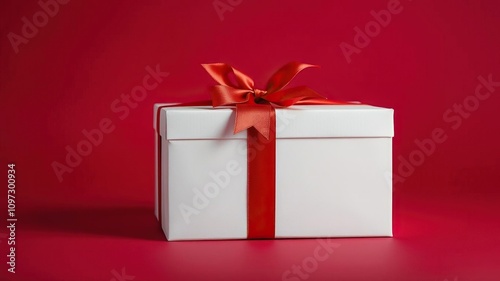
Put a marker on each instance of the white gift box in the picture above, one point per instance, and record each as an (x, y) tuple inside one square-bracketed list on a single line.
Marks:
[(333, 172)]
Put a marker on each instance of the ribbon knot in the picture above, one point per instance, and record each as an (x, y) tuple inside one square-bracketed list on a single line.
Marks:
[(258, 93), (254, 107)]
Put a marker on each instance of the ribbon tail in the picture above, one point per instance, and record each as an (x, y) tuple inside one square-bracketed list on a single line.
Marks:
[(257, 116), (313, 101), (291, 96)]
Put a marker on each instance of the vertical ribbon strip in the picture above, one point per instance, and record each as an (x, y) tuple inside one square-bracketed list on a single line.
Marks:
[(261, 179), (255, 111)]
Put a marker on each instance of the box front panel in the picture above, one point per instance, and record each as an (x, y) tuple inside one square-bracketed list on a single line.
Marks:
[(207, 188), (334, 187)]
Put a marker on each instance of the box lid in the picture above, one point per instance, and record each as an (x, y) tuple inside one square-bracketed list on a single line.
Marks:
[(300, 121)]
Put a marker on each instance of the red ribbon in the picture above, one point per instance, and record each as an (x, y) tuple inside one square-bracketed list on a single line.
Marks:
[(255, 111)]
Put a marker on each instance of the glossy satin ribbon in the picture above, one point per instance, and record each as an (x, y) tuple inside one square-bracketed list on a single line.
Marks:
[(255, 112), (254, 107)]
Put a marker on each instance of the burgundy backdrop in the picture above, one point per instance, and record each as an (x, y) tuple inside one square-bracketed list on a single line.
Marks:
[(68, 69)]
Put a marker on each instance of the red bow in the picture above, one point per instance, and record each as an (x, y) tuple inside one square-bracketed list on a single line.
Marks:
[(254, 107)]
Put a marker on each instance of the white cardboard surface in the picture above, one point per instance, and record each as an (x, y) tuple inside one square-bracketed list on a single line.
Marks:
[(333, 172)]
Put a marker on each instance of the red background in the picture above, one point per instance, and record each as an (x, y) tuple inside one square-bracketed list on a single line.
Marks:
[(99, 219)]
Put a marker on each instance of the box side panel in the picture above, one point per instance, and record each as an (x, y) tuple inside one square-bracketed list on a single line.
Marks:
[(207, 189), (157, 183), (337, 187), (164, 186)]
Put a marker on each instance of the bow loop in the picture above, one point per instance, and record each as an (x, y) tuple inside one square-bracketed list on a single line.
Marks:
[(224, 74), (225, 95), (285, 74)]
